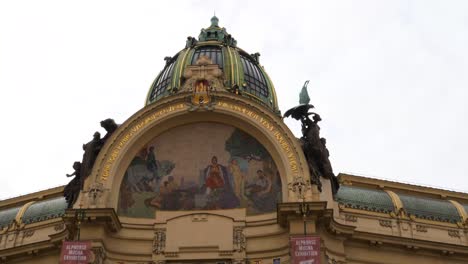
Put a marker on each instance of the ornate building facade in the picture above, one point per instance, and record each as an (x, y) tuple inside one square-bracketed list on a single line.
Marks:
[(207, 172)]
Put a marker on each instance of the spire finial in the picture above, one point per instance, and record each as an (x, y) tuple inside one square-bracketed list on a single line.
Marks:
[(214, 21)]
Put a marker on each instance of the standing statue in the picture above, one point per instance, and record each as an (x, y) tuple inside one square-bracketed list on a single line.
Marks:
[(314, 147), (191, 42), (72, 189), (84, 168), (91, 151)]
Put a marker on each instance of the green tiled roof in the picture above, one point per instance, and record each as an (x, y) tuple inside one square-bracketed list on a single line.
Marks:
[(430, 209), (44, 210), (7, 216), (364, 199)]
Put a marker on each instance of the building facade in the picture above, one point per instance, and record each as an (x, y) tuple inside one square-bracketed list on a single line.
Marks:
[(207, 172)]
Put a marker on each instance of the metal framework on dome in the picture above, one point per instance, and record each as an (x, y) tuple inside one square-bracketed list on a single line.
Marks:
[(241, 72)]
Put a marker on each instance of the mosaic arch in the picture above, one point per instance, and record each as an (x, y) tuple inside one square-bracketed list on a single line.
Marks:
[(202, 166)]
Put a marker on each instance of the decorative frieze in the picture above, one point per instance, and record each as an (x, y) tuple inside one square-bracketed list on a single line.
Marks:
[(411, 247), (28, 233), (225, 253), (351, 218), (59, 227), (159, 242), (454, 233), (385, 223), (171, 254), (421, 228)]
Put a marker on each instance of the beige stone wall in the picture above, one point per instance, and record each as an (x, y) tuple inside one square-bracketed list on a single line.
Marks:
[(347, 235)]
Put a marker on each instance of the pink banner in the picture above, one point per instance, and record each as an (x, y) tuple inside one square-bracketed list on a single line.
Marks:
[(75, 252), (305, 249)]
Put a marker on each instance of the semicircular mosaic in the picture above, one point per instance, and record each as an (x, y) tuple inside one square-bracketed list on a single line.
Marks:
[(202, 166)]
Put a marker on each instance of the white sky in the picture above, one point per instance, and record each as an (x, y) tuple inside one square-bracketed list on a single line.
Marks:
[(389, 78)]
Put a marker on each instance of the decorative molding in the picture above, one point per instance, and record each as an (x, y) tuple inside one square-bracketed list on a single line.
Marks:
[(385, 223), (95, 192), (405, 226), (59, 227), (99, 255), (421, 228), (447, 252), (204, 69), (225, 253), (159, 242), (454, 233), (28, 233), (375, 243), (351, 218), (199, 218), (300, 186), (171, 254), (333, 259), (411, 247), (239, 239)]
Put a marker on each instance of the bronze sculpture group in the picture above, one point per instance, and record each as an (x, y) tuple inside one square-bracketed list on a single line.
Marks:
[(313, 145), (83, 169)]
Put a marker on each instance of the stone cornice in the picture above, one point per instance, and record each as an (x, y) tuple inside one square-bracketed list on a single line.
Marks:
[(348, 179), (106, 216), (409, 243), (35, 196)]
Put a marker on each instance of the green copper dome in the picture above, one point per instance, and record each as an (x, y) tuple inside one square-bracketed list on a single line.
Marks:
[(241, 72)]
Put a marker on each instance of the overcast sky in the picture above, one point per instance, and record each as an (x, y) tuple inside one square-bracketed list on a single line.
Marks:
[(389, 78)]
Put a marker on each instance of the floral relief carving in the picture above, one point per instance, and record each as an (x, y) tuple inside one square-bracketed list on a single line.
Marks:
[(28, 233), (239, 239), (351, 218), (59, 227), (300, 186), (421, 228), (159, 242), (385, 223), (454, 233)]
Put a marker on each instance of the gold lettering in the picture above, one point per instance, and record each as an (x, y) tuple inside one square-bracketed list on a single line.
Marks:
[(140, 125), (270, 127)]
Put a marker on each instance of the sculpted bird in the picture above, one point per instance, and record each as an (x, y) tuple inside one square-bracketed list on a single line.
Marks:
[(301, 111)]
